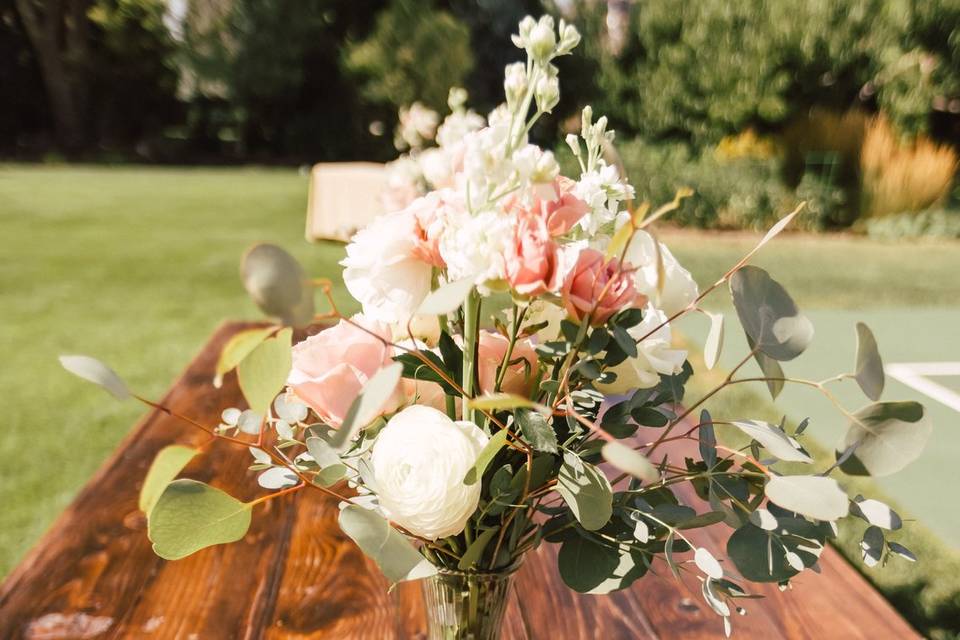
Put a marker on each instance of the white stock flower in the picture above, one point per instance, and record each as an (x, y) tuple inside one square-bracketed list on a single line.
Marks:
[(603, 191), (417, 125), (419, 461), (654, 356), (437, 167), (382, 272), (457, 125), (474, 246), (679, 288)]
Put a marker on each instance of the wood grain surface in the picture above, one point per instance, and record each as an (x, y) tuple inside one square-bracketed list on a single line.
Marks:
[(295, 575)]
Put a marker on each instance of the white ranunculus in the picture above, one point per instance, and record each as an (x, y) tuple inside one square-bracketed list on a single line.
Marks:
[(679, 287), (381, 270), (655, 356), (419, 461)]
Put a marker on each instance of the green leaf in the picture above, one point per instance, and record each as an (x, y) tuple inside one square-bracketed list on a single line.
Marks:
[(589, 566), (707, 563), (447, 298), (236, 349), (537, 430), (191, 515), (92, 370), (773, 439), (771, 370), (871, 546), (707, 439), (888, 436), (276, 283), (869, 370), (168, 462), (415, 369), (397, 558), (330, 475), (504, 401), (492, 448), (714, 343), (816, 497), (264, 371), (629, 461), (588, 494), (473, 553), (768, 314), (902, 551), (369, 404), (762, 556), (876, 513)]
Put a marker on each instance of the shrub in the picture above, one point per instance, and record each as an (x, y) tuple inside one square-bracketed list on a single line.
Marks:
[(744, 193), (900, 176), (925, 224)]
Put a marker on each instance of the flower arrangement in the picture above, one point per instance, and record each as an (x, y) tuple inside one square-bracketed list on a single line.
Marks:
[(512, 380)]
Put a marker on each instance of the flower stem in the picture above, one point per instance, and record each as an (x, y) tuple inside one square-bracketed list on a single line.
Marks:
[(471, 334)]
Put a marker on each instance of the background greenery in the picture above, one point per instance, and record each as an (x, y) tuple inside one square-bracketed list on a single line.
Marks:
[(138, 266)]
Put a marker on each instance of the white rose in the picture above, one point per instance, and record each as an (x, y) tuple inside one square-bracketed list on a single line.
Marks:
[(419, 461), (382, 272), (679, 287), (654, 356)]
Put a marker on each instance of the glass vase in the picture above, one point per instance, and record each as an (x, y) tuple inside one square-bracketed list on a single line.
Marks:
[(465, 605)]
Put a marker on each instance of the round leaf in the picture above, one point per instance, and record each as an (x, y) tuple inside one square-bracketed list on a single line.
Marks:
[(816, 497), (236, 349), (869, 371), (277, 478), (773, 439), (768, 314), (585, 564), (263, 373), (888, 436), (276, 283), (92, 370), (629, 461), (165, 466), (588, 494), (191, 515), (707, 563), (393, 553), (876, 513)]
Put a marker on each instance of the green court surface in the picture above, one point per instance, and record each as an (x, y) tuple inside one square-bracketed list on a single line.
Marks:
[(923, 337)]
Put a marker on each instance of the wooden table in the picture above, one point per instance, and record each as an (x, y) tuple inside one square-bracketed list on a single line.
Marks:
[(295, 575)]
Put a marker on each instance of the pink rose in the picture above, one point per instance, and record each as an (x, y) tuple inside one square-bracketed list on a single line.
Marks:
[(599, 285), (428, 212), (491, 351), (331, 367), (531, 258), (563, 211)]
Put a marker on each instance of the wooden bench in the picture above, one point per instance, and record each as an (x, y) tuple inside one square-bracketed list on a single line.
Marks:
[(295, 575)]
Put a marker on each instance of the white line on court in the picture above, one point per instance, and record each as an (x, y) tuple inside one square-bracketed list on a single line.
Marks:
[(914, 375)]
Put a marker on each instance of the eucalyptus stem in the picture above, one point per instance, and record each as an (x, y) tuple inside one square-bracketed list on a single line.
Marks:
[(471, 335)]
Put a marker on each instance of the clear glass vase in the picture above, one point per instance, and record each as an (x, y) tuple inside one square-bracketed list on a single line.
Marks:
[(465, 605)]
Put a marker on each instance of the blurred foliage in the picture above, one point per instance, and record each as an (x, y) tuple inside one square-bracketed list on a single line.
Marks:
[(903, 175), (415, 52), (934, 224)]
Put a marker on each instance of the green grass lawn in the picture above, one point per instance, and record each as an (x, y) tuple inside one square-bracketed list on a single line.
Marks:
[(137, 266)]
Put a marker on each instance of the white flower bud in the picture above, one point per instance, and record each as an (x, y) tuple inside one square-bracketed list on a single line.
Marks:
[(542, 40), (546, 169), (515, 82), (573, 141), (526, 26), (569, 38), (457, 98), (419, 461), (547, 93)]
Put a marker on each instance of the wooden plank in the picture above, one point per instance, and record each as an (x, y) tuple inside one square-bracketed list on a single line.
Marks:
[(296, 576)]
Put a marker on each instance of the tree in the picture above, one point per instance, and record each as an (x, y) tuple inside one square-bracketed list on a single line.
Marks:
[(59, 32)]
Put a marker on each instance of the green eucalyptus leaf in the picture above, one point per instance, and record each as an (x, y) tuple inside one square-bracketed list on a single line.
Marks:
[(768, 314), (584, 564), (773, 439), (236, 349), (771, 369), (869, 370), (587, 492), (872, 545), (876, 513), (900, 550), (707, 563), (190, 515), (714, 343), (168, 462), (764, 556), (629, 461), (487, 454), (369, 404), (397, 558), (537, 430), (888, 436), (474, 552), (502, 402), (447, 298), (263, 372), (707, 439), (276, 283), (817, 497), (330, 475), (92, 370)]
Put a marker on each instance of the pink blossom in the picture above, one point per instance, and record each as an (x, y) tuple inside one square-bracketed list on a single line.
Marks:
[(331, 367), (599, 285), (531, 259), (491, 351), (564, 210)]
